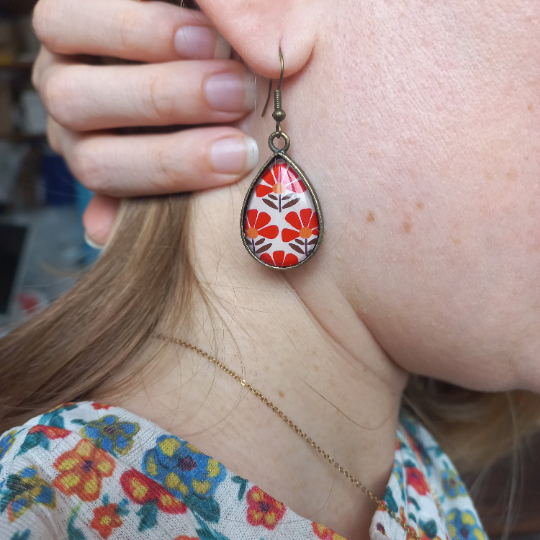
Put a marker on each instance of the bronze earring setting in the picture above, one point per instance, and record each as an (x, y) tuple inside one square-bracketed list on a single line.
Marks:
[(281, 221)]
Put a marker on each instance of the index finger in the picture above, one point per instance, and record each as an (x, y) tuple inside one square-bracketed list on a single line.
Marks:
[(140, 31)]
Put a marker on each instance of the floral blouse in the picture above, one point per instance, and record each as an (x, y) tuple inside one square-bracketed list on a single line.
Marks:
[(89, 471)]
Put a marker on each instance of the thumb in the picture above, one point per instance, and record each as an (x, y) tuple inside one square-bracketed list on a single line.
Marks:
[(99, 218)]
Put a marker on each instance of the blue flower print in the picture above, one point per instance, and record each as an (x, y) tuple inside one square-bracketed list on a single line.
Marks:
[(452, 485), (182, 469), (6, 442), (111, 434), (23, 490), (464, 526)]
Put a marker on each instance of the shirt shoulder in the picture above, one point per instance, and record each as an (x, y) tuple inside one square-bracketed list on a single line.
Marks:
[(425, 490), (87, 471)]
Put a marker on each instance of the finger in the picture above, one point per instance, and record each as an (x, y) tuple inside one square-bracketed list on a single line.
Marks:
[(143, 31), (84, 98), (132, 165), (99, 219), (44, 62)]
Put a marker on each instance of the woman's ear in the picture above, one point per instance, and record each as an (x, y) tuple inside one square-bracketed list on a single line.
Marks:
[(257, 28)]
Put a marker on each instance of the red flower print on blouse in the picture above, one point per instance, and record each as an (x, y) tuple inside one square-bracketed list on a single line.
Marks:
[(263, 509), (99, 406), (82, 470), (324, 533), (278, 258), (51, 432), (106, 519), (416, 479), (279, 179), (256, 225), (143, 490)]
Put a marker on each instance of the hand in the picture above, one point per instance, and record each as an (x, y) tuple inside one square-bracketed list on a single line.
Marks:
[(184, 77)]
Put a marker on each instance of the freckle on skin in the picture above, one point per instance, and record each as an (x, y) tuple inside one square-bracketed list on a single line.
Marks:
[(420, 205), (406, 227), (456, 241), (281, 394), (489, 176), (530, 107), (316, 368), (512, 175), (370, 216)]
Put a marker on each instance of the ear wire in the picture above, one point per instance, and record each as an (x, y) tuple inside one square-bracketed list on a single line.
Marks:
[(279, 114)]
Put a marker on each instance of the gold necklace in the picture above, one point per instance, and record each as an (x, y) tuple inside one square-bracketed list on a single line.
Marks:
[(380, 503)]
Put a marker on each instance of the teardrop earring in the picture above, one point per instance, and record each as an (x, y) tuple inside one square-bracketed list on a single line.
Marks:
[(281, 221)]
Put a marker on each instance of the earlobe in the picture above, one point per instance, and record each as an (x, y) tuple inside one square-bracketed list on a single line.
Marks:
[(257, 28)]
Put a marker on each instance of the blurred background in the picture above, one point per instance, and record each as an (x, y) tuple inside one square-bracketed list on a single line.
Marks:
[(41, 237), (42, 252)]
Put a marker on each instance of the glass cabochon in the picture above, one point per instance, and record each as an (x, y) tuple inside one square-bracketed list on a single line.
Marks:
[(280, 222)]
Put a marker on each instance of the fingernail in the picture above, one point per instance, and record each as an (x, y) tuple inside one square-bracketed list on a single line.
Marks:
[(91, 243), (200, 43), (231, 92), (234, 155)]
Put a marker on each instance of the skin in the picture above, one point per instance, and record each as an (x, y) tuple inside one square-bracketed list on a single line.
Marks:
[(418, 125)]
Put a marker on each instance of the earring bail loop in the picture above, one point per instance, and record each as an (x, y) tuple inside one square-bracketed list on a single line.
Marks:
[(279, 135)]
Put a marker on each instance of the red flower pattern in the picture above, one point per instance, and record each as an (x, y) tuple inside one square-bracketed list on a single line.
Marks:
[(50, 432), (256, 225), (306, 225), (141, 489), (106, 520), (278, 258), (280, 200), (263, 509), (82, 470), (99, 406), (279, 179), (416, 479)]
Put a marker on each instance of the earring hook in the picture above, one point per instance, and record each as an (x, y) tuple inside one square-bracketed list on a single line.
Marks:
[(282, 62)]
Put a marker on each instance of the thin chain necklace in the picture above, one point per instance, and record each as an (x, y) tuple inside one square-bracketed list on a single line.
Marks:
[(380, 503)]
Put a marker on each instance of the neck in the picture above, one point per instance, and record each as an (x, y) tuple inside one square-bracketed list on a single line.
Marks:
[(295, 338)]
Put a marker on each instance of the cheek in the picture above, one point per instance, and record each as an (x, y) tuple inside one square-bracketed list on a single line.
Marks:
[(454, 296), (447, 271), (440, 165)]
